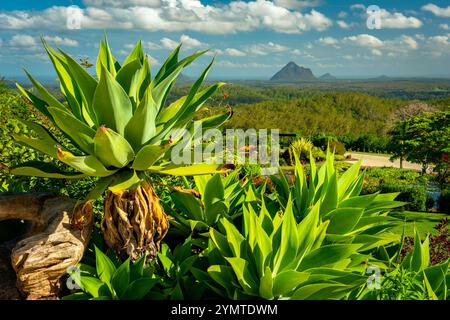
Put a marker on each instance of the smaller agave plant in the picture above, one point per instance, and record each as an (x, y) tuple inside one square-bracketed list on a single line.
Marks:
[(123, 131)]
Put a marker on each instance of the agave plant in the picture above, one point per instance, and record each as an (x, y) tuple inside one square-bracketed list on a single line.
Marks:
[(123, 130), (353, 218), (215, 196), (274, 257)]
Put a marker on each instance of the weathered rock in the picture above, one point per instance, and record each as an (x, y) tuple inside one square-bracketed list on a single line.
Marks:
[(51, 246)]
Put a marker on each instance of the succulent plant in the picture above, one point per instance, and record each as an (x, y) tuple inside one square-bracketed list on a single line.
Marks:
[(123, 131)]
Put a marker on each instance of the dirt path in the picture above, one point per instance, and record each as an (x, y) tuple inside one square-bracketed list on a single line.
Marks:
[(382, 161)]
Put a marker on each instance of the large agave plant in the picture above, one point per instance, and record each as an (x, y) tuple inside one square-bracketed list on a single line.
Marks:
[(123, 130)]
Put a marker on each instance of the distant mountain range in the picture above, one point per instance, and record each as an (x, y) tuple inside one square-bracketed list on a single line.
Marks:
[(327, 76), (292, 73)]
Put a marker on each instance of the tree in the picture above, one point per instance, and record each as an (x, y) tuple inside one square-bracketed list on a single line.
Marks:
[(424, 139)]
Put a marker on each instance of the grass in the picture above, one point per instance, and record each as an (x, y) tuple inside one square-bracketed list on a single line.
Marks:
[(424, 222)]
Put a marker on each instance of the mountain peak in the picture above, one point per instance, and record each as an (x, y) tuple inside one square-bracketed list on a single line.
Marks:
[(293, 72)]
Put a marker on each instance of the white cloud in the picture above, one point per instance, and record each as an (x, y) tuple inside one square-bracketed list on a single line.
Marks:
[(342, 14), (437, 11), (444, 26), (410, 42), (235, 52), (61, 41), (22, 40), (364, 40), (251, 65), (398, 20), (297, 4), (442, 40), (377, 52), (122, 3), (173, 15), (358, 6), (187, 41), (343, 25), (328, 41), (266, 48)]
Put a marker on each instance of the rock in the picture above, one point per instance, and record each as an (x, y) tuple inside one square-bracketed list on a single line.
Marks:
[(50, 247)]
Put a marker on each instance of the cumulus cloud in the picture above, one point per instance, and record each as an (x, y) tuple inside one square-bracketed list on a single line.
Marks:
[(167, 43), (444, 26), (61, 41), (343, 25), (328, 41), (266, 48), (234, 52), (364, 40), (297, 4), (391, 20), (442, 40), (175, 15), (398, 20), (437, 11), (22, 40)]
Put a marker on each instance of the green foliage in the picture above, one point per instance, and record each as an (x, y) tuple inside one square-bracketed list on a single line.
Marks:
[(415, 196), (117, 122), (353, 218), (214, 197), (413, 278), (110, 280), (274, 257), (424, 139)]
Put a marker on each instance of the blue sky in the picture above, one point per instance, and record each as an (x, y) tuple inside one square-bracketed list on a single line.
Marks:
[(250, 39)]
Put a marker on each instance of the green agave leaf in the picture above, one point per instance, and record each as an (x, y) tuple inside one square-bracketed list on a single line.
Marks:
[(105, 59), (89, 165), (321, 291), (140, 81), (358, 202), (105, 267), (95, 287), (111, 103), (111, 148), (347, 179), (139, 288), (79, 132), (44, 170), (287, 281), (421, 253), (141, 127), (189, 170), (289, 240), (136, 54), (148, 155), (86, 83), (266, 285), (45, 143), (327, 255), (38, 103), (68, 87), (221, 242), (45, 95), (120, 280), (243, 275), (168, 65), (188, 204), (343, 220), (127, 72), (126, 180), (224, 276)]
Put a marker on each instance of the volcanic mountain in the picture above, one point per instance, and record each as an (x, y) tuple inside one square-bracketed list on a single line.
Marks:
[(292, 72)]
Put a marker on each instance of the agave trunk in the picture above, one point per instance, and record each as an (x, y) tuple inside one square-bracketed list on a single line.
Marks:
[(134, 222)]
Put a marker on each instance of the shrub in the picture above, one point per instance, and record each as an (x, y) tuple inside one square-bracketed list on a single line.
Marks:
[(338, 147), (415, 195)]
